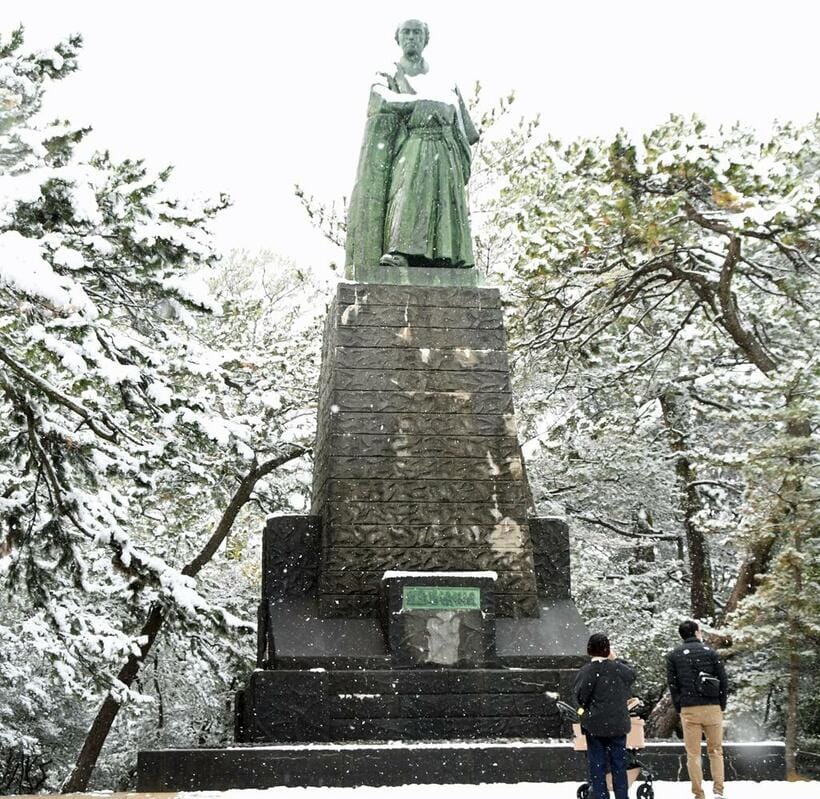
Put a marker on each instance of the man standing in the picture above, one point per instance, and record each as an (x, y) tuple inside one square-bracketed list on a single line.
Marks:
[(602, 689), (698, 684)]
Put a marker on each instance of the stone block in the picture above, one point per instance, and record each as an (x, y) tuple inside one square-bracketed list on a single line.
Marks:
[(463, 358), (558, 635), (387, 316), (426, 337), (485, 728), (441, 514), (414, 275), (483, 468), (285, 706), (290, 555), (465, 763), (435, 424), (338, 559), (416, 445), (504, 535), (479, 682), (505, 492), (299, 632), (420, 380), (421, 402), (373, 294), (550, 543), (416, 391), (517, 605), (349, 606), (348, 581)]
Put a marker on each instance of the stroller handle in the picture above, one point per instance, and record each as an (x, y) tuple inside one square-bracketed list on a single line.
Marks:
[(568, 712)]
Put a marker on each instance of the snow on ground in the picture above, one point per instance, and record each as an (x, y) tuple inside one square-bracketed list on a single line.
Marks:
[(523, 790)]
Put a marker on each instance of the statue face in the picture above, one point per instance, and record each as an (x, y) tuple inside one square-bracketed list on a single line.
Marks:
[(412, 37)]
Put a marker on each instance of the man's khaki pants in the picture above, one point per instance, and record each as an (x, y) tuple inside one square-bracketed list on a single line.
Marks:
[(697, 721)]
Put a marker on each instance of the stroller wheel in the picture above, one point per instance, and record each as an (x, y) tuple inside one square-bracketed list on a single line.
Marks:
[(583, 791), (646, 791)]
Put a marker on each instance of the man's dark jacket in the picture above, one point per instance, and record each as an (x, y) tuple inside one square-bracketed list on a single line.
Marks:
[(602, 688), (684, 664)]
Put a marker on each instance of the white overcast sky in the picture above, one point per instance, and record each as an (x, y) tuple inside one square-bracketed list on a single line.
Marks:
[(251, 97)]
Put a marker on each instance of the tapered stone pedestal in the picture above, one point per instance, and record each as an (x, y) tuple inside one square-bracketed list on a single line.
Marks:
[(418, 466)]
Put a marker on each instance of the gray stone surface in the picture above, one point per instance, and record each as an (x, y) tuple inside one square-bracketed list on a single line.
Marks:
[(357, 294), (393, 444), (429, 337), (290, 555), (408, 513), (420, 401), (403, 357), (418, 276), (418, 316), (550, 545), (299, 631), (426, 490), (501, 448), (431, 535), (367, 582), (430, 424), (284, 706), (558, 632), (422, 380), (339, 559), (484, 762), (417, 468)]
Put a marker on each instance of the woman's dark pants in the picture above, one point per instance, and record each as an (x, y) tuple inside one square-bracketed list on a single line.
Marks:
[(607, 754)]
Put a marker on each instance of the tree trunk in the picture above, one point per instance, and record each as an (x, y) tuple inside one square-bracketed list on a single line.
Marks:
[(755, 563), (663, 720), (77, 781), (757, 560), (794, 641), (792, 692), (676, 418), (760, 551)]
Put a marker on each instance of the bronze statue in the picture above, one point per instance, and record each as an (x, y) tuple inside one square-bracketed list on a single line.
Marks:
[(409, 204)]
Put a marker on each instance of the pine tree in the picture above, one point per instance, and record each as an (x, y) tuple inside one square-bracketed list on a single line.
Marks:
[(132, 434), (682, 268)]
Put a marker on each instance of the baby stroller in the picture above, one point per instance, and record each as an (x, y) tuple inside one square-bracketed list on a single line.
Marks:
[(634, 743)]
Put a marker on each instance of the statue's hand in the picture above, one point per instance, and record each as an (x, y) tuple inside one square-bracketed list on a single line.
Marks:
[(393, 101)]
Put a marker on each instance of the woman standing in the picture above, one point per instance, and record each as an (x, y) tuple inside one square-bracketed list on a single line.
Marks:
[(602, 689)]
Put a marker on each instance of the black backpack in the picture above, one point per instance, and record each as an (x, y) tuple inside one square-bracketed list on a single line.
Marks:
[(708, 686)]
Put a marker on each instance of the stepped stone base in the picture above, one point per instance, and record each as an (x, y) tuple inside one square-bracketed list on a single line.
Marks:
[(466, 762), (413, 704)]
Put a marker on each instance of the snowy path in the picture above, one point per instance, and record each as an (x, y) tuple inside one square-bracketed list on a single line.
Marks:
[(524, 790)]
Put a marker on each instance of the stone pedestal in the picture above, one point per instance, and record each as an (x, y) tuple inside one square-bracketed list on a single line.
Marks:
[(417, 463), (422, 598)]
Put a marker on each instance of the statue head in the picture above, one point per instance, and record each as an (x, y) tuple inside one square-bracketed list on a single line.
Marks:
[(412, 36)]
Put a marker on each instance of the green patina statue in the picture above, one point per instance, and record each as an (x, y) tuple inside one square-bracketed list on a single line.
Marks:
[(409, 204)]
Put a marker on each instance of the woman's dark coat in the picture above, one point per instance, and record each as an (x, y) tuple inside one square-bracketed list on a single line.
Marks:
[(602, 688)]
